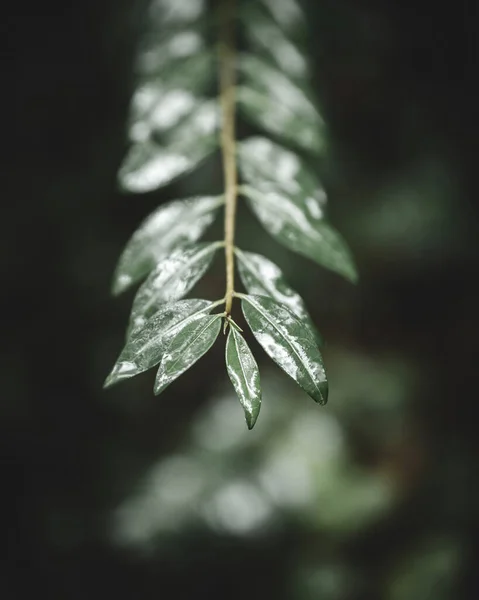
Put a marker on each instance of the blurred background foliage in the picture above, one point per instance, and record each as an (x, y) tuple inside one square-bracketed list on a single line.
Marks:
[(120, 494)]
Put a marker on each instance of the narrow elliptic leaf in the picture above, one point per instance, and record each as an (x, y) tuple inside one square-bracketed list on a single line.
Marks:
[(173, 225), (244, 374), (267, 38), (171, 279), (171, 13), (270, 167), (150, 165), (289, 342), (262, 277), (289, 15), (146, 344), (160, 53), (161, 103), (275, 103), (186, 345), (287, 223)]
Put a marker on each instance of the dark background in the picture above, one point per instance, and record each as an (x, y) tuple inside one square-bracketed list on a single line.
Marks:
[(398, 86)]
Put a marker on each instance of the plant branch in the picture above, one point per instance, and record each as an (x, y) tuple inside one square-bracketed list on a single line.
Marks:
[(227, 77)]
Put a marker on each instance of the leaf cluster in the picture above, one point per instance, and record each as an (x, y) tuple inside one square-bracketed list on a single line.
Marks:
[(174, 126)]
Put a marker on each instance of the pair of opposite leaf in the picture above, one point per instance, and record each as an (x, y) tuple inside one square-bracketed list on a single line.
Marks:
[(173, 129)]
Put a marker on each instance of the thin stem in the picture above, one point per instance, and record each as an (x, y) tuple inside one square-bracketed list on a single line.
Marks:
[(227, 76)]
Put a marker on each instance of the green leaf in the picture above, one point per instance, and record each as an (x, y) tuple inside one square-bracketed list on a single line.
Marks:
[(289, 342), (171, 279), (289, 15), (272, 101), (171, 13), (160, 52), (244, 374), (161, 103), (146, 344), (267, 38), (261, 276), (149, 166), (175, 224), (287, 223), (270, 167), (187, 344)]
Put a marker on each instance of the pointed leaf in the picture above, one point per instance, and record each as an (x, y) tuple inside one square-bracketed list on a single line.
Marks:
[(270, 167), (146, 344), (287, 223), (266, 37), (171, 13), (172, 278), (175, 224), (149, 165), (161, 103), (289, 15), (244, 374), (274, 102), (159, 53), (288, 342), (187, 345), (261, 276)]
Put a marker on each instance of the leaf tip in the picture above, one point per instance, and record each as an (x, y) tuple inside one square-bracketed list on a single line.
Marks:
[(122, 370), (120, 284), (323, 391)]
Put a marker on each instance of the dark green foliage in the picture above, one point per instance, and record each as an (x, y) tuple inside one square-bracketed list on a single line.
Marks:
[(173, 128)]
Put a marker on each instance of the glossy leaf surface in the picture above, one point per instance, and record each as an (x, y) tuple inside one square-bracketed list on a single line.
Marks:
[(289, 15), (172, 278), (160, 103), (261, 276), (267, 166), (290, 226), (175, 224), (267, 37), (278, 105), (244, 374), (146, 344), (289, 342), (190, 341), (150, 165)]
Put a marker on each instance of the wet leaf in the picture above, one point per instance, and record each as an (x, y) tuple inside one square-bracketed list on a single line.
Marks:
[(187, 344), (270, 167), (275, 103), (261, 276), (160, 103), (244, 374), (158, 54), (150, 165), (287, 223), (267, 38), (146, 344), (289, 342), (173, 225), (171, 13), (172, 278), (289, 15)]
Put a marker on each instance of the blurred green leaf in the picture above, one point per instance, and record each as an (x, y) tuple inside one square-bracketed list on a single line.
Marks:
[(268, 39), (289, 342), (173, 277), (146, 344), (261, 276), (287, 223), (174, 224), (275, 103), (244, 374), (160, 103), (149, 165), (190, 341)]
